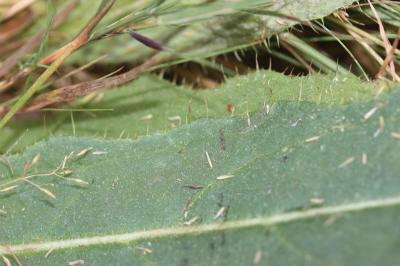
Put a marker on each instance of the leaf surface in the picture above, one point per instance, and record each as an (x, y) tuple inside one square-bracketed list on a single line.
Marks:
[(152, 105), (299, 192)]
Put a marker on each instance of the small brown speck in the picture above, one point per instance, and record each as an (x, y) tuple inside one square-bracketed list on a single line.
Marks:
[(381, 123), (331, 220), (364, 158), (209, 160), (186, 207), (395, 135), (191, 221), (317, 201), (229, 108), (346, 162), (312, 139), (27, 165), (48, 253), (78, 181), (257, 257), (147, 117), (219, 212), (223, 177), (176, 118), (370, 113), (35, 159), (144, 250), (48, 192), (99, 152), (84, 152), (76, 262), (66, 172), (222, 139)]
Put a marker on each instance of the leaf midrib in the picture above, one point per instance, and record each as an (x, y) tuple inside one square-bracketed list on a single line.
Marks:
[(266, 221)]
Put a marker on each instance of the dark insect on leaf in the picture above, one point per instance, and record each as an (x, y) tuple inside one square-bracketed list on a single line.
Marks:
[(193, 186), (146, 41)]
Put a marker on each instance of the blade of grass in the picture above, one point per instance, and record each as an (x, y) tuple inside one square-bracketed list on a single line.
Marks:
[(71, 92), (58, 57), (298, 57), (76, 110), (322, 61), (364, 34), (389, 58), (34, 41), (347, 50), (286, 58), (17, 7), (35, 87), (386, 43)]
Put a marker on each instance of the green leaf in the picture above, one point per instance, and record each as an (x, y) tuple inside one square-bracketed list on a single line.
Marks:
[(164, 102), (298, 192), (195, 28)]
